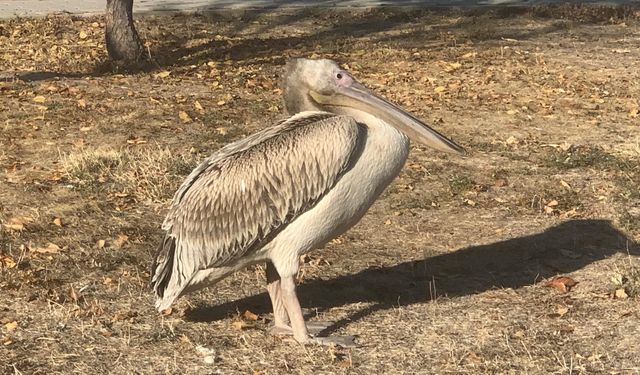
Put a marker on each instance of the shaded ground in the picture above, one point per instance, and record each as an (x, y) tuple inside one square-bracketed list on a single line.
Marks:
[(447, 272), (36, 8)]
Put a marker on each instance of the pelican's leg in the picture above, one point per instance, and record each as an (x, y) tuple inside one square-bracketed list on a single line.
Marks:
[(291, 303), (300, 331), (280, 318)]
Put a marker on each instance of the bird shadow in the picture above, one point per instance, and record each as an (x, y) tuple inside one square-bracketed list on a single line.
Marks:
[(512, 263)]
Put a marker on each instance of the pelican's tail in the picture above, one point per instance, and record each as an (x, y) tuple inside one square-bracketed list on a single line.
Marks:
[(162, 272)]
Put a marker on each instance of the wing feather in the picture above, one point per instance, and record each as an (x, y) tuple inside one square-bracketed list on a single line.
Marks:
[(238, 199)]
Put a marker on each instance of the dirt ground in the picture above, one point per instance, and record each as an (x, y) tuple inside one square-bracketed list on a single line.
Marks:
[(449, 273)]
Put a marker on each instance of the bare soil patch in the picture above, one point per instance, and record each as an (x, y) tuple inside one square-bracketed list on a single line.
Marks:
[(451, 270)]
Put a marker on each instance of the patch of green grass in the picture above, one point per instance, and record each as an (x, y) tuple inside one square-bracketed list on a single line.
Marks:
[(459, 184), (583, 157)]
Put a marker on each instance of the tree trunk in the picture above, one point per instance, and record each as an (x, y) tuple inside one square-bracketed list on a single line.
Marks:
[(123, 41)]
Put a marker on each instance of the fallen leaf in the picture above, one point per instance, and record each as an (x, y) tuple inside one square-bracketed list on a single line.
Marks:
[(501, 182), (11, 326), (249, 315), (39, 99), (238, 325), (633, 112), (85, 128), (470, 202), (473, 358), (14, 226), (344, 363), (565, 184), (57, 221), (208, 354), (452, 67), (7, 261), (553, 203), (107, 281), (163, 74), (571, 213), (567, 329), (105, 332), (81, 103), (184, 116), (561, 283), (469, 55), (136, 141), (621, 294), (439, 89), (595, 357), (519, 334), (120, 241), (512, 140), (198, 106), (167, 311), (209, 359), (51, 248), (562, 311), (100, 244), (83, 34), (566, 146)]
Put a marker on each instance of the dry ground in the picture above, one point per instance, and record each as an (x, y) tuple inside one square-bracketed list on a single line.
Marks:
[(446, 274)]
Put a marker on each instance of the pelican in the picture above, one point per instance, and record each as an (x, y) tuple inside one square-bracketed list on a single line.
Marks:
[(288, 189)]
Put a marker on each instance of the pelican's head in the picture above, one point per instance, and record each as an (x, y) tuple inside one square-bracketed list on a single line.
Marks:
[(321, 85)]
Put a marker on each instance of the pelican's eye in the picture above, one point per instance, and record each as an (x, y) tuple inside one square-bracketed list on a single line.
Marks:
[(343, 79)]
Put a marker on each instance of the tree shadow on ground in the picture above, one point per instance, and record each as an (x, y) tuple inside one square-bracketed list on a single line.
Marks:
[(513, 263), (341, 27), (339, 31)]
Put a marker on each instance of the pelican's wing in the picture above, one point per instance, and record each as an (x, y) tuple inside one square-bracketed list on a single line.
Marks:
[(238, 199)]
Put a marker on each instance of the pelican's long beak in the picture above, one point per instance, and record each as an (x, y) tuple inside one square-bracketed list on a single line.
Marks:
[(359, 97)]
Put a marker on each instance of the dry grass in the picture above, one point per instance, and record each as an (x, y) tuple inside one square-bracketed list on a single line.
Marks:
[(446, 274), (149, 174)]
